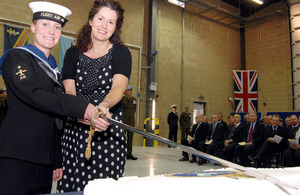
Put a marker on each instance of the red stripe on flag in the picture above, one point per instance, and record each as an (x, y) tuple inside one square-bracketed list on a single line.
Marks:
[(245, 95)]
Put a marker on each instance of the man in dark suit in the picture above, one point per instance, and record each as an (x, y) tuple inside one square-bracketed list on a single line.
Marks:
[(233, 137), (220, 119), (198, 134), (246, 119), (293, 127), (230, 121), (264, 120), (214, 139), (292, 153), (288, 121), (218, 149), (173, 123), (253, 135), (271, 145)]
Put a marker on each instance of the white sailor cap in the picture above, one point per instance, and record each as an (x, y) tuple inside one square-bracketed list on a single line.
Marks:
[(49, 11), (2, 90), (174, 106), (128, 88)]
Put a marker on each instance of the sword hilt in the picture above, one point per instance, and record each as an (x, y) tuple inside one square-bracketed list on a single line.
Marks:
[(88, 151)]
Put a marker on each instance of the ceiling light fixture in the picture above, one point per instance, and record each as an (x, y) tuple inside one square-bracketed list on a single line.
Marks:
[(178, 3), (258, 1)]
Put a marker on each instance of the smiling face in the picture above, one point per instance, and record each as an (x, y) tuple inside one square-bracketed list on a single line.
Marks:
[(46, 34), (103, 24), (275, 121), (294, 120)]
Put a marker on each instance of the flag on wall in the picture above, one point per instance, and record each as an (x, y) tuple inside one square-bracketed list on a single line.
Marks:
[(14, 37), (245, 90), (65, 44)]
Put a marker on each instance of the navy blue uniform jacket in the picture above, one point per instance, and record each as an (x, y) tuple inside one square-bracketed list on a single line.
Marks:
[(29, 131)]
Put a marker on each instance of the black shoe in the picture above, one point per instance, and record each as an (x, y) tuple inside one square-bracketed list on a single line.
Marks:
[(184, 159), (193, 160), (200, 162), (131, 157)]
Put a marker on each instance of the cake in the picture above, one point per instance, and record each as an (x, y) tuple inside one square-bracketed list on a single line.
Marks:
[(220, 181)]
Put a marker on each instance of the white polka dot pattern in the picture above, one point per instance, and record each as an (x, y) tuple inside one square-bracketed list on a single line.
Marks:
[(93, 82)]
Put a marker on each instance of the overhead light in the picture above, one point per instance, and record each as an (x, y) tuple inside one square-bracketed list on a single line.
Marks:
[(178, 3), (258, 1)]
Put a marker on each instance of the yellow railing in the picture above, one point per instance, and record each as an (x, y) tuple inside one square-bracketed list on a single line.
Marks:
[(156, 129)]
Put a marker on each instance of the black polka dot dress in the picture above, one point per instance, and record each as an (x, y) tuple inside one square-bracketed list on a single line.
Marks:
[(93, 82)]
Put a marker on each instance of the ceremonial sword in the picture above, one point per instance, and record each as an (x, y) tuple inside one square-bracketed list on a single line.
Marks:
[(225, 163)]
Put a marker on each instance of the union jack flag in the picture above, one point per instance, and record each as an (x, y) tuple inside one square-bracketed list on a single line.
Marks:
[(245, 90)]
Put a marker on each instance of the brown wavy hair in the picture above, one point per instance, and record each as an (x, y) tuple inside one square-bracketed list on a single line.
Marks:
[(84, 41)]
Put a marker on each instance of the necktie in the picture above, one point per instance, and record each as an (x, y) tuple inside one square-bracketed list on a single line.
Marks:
[(212, 133), (233, 128), (274, 130), (196, 130), (250, 133)]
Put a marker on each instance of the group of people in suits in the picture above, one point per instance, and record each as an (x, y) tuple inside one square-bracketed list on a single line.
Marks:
[(249, 144)]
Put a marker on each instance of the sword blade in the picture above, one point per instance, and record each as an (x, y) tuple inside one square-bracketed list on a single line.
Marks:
[(251, 172)]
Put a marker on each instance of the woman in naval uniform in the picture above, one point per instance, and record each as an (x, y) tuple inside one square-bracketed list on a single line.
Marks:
[(30, 155)]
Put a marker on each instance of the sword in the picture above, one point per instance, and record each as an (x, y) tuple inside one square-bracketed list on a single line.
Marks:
[(225, 163)]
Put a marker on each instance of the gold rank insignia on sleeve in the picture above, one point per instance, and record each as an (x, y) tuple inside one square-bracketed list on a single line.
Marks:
[(21, 73)]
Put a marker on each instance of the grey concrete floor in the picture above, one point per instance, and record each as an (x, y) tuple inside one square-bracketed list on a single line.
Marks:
[(160, 160), (157, 161)]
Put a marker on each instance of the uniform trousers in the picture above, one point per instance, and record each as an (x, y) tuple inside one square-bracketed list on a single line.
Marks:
[(184, 132), (129, 142), (18, 177), (129, 120), (173, 134)]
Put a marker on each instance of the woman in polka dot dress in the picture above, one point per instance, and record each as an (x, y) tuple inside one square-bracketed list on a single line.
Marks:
[(97, 69)]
